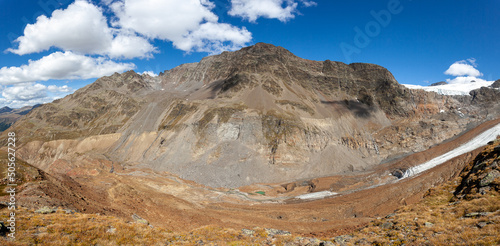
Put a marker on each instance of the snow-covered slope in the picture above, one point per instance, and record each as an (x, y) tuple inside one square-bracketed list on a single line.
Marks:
[(452, 89), (481, 140)]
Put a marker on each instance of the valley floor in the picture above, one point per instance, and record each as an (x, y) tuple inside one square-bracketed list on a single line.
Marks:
[(441, 218)]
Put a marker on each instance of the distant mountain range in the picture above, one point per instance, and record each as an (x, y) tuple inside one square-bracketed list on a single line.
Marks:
[(8, 115)]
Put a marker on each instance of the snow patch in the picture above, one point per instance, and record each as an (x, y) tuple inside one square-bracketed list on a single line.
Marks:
[(316, 195), (452, 89), (479, 141)]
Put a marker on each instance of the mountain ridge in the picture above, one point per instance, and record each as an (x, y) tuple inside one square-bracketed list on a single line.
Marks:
[(9, 116)]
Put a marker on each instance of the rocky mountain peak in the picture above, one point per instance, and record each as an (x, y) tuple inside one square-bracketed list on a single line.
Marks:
[(5, 110), (276, 70), (496, 84), (127, 82), (439, 83), (265, 49)]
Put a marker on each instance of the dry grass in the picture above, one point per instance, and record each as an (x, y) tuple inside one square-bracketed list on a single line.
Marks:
[(437, 220), (92, 229), (434, 221), (409, 226), (80, 229)]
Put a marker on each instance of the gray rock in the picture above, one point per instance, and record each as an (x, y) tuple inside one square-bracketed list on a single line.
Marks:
[(484, 190), (482, 224), (111, 230), (496, 84), (248, 232), (494, 164), (489, 178), (139, 220), (343, 240), (273, 232), (469, 215), (476, 214), (428, 224), (439, 83), (479, 166), (308, 241), (45, 210), (485, 95), (387, 225), (390, 215)]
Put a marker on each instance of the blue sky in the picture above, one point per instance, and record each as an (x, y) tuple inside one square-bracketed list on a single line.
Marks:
[(53, 47)]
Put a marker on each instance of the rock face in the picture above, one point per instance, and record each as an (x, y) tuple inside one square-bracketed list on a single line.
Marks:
[(487, 99), (482, 176), (260, 114), (485, 95), (496, 84), (439, 83)]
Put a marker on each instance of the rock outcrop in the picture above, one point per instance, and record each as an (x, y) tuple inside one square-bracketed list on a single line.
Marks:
[(496, 84), (439, 83), (482, 176)]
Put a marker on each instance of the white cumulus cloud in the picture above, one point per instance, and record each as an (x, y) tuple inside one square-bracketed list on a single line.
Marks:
[(214, 38), (162, 19), (129, 46), (462, 68), (59, 65), (59, 89), (188, 24), (309, 3), (465, 72), (81, 28), (251, 10), (466, 80), (24, 94)]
